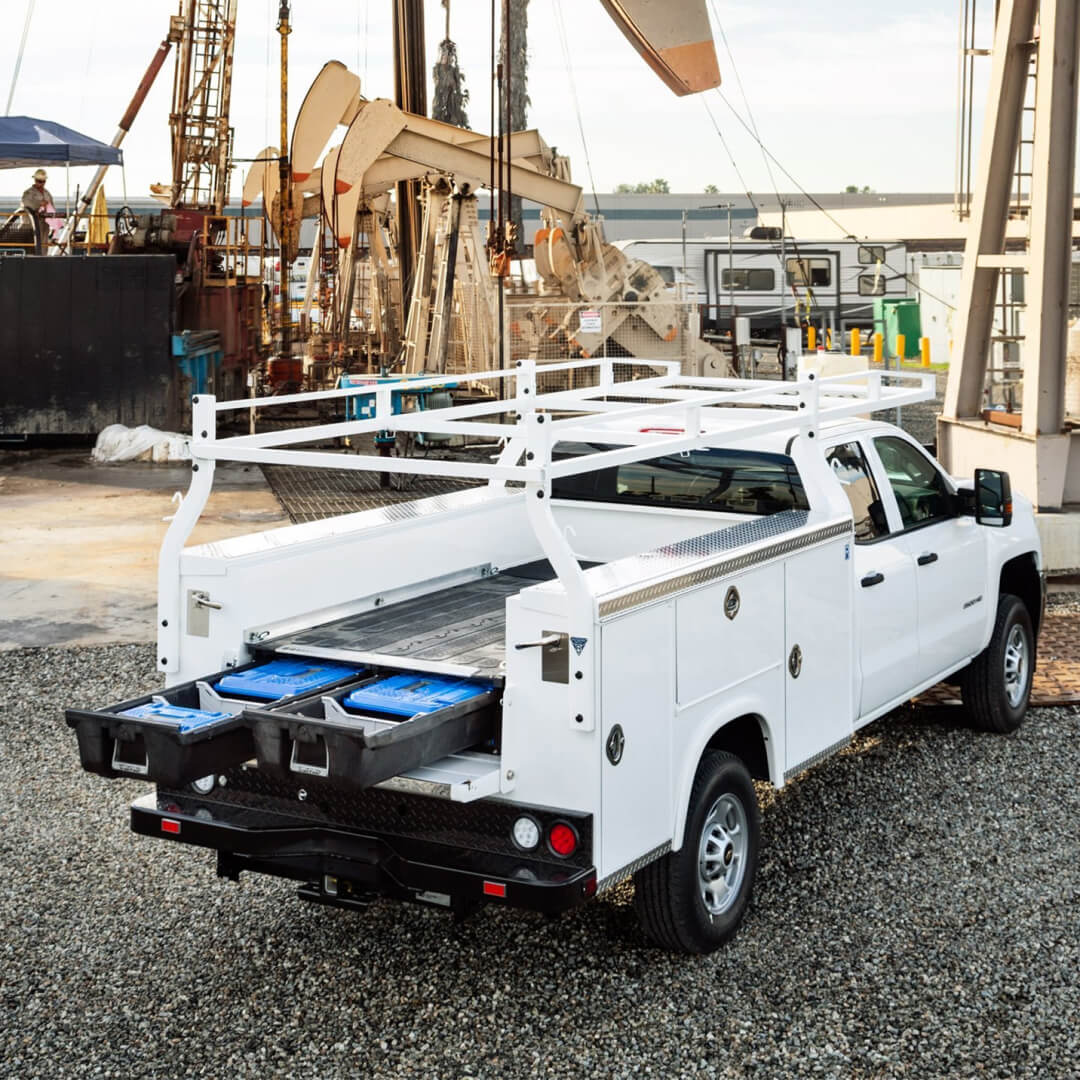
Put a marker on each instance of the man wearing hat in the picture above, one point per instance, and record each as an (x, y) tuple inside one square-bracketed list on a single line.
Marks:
[(36, 198)]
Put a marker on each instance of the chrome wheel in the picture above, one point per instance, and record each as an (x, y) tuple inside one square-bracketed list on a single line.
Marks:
[(1016, 666), (722, 854)]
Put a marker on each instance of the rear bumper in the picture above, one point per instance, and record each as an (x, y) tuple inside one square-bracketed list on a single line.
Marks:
[(358, 862)]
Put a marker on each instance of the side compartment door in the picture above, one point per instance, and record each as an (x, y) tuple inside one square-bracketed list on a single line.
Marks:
[(638, 711), (886, 612), (819, 699)]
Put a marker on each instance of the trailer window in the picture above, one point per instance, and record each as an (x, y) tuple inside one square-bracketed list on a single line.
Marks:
[(817, 273), (725, 481), (849, 467), (871, 253), (871, 284), (667, 273), (748, 280)]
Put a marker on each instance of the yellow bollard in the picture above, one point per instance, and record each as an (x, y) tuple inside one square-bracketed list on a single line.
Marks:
[(879, 347), (924, 346), (856, 342), (901, 348), (811, 338)]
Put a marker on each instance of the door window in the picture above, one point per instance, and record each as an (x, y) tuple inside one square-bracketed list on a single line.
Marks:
[(922, 493), (849, 466)]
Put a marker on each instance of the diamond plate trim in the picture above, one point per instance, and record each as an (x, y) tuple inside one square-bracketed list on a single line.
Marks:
[(630, 869), (649, 593), (821, 755)]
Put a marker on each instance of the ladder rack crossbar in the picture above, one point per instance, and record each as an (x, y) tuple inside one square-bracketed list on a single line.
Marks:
[(804, 403)]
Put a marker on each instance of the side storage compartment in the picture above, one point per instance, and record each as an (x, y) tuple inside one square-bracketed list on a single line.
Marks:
[(197, 728), (363, 734)]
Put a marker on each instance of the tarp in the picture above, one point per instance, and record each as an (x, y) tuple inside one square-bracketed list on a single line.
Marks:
[(26, 142)]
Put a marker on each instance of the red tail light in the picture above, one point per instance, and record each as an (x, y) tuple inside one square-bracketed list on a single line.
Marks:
[(562, 839), (494, 888), (170, 826)]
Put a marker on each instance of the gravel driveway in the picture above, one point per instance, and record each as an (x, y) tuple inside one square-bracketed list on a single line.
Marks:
[(917, 914)]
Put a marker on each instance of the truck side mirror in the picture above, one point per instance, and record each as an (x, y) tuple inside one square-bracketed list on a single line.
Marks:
[(993, 498)]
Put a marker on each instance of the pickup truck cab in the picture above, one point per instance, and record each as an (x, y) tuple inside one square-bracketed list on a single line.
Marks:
[(526, 692)]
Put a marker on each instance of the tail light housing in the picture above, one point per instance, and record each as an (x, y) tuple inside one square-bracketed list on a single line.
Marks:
[(562, 839)]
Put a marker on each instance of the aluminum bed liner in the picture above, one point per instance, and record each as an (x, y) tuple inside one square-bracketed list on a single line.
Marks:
[(457, 631)]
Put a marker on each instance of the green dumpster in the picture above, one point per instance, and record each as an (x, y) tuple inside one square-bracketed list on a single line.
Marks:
[(893, 316)]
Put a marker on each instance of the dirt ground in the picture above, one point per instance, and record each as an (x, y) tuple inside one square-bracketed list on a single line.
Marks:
[(79, 542)]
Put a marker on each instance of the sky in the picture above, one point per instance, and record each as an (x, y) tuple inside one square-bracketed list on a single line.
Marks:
[(841, 91)]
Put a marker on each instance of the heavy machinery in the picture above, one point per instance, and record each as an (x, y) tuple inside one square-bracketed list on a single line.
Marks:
[(627, 307)]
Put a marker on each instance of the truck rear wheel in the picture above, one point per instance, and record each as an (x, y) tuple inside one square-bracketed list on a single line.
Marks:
[(996, 685), (692, 900)]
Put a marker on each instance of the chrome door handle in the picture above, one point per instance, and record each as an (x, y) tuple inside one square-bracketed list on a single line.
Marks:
[(927, 558), (872, 579)]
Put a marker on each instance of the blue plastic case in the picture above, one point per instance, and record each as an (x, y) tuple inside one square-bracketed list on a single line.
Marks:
[(184, 719), (283, 678), (413, 694)]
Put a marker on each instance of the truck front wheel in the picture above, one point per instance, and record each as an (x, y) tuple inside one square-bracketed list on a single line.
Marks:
[(996, 685), (692, 900)]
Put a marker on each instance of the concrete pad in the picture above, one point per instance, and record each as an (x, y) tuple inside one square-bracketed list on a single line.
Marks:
[(79, 542)]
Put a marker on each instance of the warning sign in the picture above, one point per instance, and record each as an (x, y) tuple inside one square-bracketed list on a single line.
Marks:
[(591, 323)]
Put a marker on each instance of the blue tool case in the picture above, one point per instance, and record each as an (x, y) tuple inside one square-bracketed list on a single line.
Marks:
[(184, 719), (284, 678), (413, 694)]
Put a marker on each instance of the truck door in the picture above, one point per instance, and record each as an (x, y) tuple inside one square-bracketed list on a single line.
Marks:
[(887, 648), (949, 553)]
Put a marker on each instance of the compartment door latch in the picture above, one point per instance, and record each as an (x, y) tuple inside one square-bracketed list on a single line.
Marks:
[(199, 606)]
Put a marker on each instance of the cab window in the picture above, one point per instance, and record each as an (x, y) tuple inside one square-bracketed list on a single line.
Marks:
[(849, 467), (724, 481), (921, 491)]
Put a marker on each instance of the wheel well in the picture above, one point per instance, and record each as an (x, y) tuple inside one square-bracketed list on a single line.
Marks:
[(1020, 577), (745, 739)]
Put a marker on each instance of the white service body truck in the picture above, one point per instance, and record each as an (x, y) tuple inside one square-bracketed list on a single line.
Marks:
[(665, 590)]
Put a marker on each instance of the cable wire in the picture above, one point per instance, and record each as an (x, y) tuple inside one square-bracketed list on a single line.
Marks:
[(847, 235), (19, 59), (561, 28)]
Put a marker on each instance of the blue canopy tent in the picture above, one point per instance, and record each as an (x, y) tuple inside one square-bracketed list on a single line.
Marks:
[(26, 142)]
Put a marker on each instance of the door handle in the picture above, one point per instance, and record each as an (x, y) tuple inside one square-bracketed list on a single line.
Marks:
[(540, 643), (872, 579), (927, 559)]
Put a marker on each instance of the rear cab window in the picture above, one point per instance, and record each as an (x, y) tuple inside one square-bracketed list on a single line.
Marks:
[(721, 481), (848, 463)]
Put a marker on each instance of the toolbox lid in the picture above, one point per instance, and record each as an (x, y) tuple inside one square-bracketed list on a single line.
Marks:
[(413, 694), (284, 678), (184, 719)]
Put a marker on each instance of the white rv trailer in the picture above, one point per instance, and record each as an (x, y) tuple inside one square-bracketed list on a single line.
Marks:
[(831, 283)]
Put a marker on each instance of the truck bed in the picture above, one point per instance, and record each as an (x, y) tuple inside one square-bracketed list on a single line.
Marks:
[(460, 630)]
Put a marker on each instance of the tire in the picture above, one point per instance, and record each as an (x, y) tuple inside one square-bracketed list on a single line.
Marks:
[(996, 685), (720, 843)]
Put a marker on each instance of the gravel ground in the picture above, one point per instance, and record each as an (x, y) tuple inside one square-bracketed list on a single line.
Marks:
[(917, 914)]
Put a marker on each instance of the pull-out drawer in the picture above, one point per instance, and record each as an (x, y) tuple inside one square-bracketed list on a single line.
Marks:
[(362, 734), (198, 728)]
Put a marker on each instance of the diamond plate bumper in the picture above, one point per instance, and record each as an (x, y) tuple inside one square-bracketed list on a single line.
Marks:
[(404, 868)]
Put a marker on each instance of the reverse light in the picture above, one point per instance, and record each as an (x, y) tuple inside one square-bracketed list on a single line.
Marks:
[(562, 839), (526, 833)]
